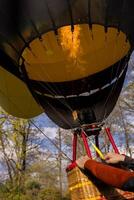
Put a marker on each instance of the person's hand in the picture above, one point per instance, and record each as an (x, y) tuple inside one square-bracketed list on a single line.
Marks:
[(81, 161), (113, 158)]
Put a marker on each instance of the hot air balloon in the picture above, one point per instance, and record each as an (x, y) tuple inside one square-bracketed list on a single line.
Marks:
[(67, 57)]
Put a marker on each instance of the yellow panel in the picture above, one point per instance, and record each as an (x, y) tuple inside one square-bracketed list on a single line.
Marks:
[(71, 56), (15, 98)]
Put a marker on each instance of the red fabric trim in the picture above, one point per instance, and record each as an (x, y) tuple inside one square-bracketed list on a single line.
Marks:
[(71, 166), (86, 144), (111, 140), (74, 146)]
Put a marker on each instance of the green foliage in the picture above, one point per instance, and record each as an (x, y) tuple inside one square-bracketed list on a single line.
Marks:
[(32, 192), (50, 194), (32, 173), (3, 188), (31, 185)]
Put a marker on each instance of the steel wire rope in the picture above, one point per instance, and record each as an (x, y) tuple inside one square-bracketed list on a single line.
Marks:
[(116, 82), (36, 98), (114, 85), (31, 121), (52, 142), (51, 88), (67, 105)]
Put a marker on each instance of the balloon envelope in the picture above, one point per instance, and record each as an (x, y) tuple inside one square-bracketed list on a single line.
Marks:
[(15, 98), (72, 54)]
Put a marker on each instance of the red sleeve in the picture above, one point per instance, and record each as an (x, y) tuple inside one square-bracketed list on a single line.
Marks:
[(110, 175)]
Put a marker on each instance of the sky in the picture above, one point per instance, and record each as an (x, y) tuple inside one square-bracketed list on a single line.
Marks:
[(44, 121), (50, 128)]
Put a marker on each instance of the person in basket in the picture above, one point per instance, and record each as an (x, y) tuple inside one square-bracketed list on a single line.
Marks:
[(109, 174)]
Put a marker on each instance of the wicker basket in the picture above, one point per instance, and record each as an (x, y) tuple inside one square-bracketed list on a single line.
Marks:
[(83, 188)]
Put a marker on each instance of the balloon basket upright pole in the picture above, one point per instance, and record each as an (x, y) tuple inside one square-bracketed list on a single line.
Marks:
[(83, 187)]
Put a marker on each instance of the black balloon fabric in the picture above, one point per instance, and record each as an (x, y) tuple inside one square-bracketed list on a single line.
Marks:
[(67, 58)]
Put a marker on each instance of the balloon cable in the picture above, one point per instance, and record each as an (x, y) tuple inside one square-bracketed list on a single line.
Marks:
[(115, 84), (50, 140), (41, 131), (28, 82)]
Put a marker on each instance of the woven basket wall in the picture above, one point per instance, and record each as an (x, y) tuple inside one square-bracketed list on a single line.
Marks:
[(82, 188)]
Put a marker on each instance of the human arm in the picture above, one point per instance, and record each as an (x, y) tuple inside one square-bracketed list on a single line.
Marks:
[(128, 162), (110, 175), (114, 158)]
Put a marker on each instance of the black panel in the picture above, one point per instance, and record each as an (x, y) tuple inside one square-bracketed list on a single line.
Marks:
[(24, 20), (92, 108), (7, 63)]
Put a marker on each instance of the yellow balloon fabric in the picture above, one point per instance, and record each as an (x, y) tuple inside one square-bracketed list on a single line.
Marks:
[(15, 98)]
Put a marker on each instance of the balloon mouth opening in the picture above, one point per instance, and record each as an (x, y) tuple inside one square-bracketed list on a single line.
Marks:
[(86, 93), (71, 55)]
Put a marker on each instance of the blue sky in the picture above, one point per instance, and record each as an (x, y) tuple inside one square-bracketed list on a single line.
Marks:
[(44, 121)]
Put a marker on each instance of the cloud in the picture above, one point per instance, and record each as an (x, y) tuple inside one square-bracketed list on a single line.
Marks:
[(50, 132)]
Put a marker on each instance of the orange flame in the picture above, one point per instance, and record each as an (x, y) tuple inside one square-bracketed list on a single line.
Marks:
[(75, 115), (70, 41)]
